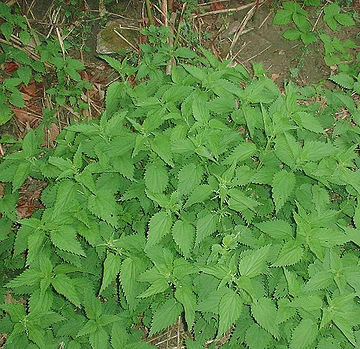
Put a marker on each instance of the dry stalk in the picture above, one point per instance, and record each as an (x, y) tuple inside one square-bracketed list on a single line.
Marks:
[(234, 9)]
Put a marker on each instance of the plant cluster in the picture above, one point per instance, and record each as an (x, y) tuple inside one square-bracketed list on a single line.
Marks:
[(204, 194), (44, 58), (292, 12)]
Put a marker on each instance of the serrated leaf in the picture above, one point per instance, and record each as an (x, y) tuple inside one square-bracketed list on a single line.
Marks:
[(99, 339), (242, 152), (282, 187), (199, 194), (159, 226), (205, 226), (189, 178), (128, 279), (304, 334), (187, 298), (239, 201), (310, 122), (343, 79), (64, 286), (277, 229), (111, 268), (253, 262), (28, 277), (156, 177), (103, 205), (265, 314), (183, 234), (165, 316), (230, 308), (290, 253), (319, 281), (65, 239), (162, 146)]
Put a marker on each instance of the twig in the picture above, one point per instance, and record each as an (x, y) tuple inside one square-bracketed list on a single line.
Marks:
[(164, 10), (265, 19), (60, 41), (126, 40), (178, 332), (243, 7), (242, 26), (258, 54), (317, 19), (212, 2)]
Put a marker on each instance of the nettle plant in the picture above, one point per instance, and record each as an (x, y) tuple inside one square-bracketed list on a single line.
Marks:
[(292, 12), (69, 86), (203, 194)]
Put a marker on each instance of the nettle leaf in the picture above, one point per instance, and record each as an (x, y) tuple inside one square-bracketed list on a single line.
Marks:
[(304, 334), (156, 177), (205, 226), (187, 298), (200, 194), (282, 187), (165, 316), (230, 308), (189, 178), (290, 253), (65, 239), (128, 278), (253, 262), (277, 229), (265, 314), (159, 226), (343, 79), (103, 205), (65, 286), (112, 265), (183, 234)]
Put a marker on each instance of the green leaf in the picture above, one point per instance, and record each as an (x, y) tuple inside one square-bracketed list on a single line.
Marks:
[(27, 278), (103, 205), (24, 73), (99, 339), (265, 313), (277, 229), (253, 262), (183, 234), (159, 226), (290, 253), (187, 298), (292, 34), (310, 122), (128, 278), (282, 17), (239, 201), (282, 187), (65, 239), (156, 177), (242, 152), (205, 226), (16, 99), (199, 194), (113, 97), (343, 79), (304, 334), (344, 19), (230, 308), (6, 28), (64, 286), (165, 316), (112, 266), (189, 178)]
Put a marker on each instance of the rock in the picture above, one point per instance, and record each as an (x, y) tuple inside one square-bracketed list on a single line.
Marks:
[(117, 35)]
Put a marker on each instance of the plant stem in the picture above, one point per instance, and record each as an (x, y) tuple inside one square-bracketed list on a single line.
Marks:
[(149, 12)]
